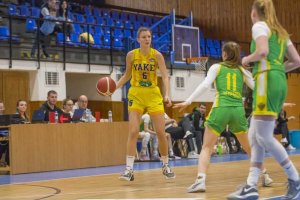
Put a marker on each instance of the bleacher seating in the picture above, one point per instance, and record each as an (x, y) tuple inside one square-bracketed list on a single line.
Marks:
[(35, 12), (31, 25), (111, 27), (5, 35)]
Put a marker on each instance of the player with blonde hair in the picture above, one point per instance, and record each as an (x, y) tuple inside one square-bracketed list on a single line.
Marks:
[(269, 46)]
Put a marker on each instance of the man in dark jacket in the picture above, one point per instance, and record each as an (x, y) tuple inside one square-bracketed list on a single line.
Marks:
[(50, 105)]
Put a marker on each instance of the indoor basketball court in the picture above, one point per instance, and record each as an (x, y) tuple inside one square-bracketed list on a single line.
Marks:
[(83, 161)]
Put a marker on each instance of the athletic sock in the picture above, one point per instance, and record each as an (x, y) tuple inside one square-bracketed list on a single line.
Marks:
[(129, 162), (291, 171), (201, 175), (253, 176), (164, 159)]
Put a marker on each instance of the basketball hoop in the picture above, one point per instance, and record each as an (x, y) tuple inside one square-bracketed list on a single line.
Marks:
[(198, 62)]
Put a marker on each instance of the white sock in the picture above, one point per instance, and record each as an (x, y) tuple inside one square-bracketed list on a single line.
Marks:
[(164, 159), (291, 171), (129, 162), (253, 176), (171, 153), (201, 175), (264, 171)]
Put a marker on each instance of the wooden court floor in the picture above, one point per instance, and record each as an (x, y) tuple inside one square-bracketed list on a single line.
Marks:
[(222, 179)]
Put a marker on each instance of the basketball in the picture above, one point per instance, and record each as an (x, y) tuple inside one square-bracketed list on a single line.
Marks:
[(106, 86)]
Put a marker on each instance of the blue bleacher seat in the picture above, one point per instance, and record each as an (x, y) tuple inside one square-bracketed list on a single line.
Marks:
[(127, 33), (149, 20), (77, 28), (90, 19), (97, 12), (74, 40), (5, 35), (12, 9), (80, 18), (213, 52), (217, 44), (87, 10), (162, 28), (140, 18), (118, 24), (118, 33), (132, 17), (134, 34), (117, 43), (100, 21), (99, 30), (106, 31), (98, 42), (90, 30), (127, 24), (105, 13), (4, 32), (71, 17), (109, 22), (106, 41), (24, 11), (115, 15), (210, 43), (146, 24), (154, 36), (60, 38), (136, 25), (31, 25), (124, 16), (35, 12)]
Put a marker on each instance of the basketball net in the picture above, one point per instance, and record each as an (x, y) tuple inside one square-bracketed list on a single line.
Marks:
[(198, 62)]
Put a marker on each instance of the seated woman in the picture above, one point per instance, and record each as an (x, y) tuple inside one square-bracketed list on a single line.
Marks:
[(21, 110), (67, 110)]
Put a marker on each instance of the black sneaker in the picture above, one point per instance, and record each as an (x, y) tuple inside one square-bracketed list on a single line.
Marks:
[(244, 193), (127, 175), (293, 192)]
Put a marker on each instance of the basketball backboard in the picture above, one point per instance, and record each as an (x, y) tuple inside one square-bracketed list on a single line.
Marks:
[(185, 42)]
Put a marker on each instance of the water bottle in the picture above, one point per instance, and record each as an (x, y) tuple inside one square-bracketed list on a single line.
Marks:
[(88, 115), (219, 149), (110, 116), (56, 117)]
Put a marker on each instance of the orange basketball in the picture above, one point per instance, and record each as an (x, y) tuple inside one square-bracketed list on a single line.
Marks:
[(106, 86)]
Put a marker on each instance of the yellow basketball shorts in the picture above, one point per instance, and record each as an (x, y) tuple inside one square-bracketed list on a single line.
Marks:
[(145, 99), (269, 93)]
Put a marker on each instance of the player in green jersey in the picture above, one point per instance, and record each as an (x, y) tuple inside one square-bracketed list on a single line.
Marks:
[(228, 109), (269, 46)]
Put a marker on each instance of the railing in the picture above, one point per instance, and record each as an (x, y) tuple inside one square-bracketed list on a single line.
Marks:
[(16, 44)]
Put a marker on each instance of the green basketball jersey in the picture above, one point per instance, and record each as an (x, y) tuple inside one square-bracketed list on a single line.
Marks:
[(229, 85), (142, 126), (275, 58)]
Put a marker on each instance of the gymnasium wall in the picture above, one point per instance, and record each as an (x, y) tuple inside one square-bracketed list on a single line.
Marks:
[(221, 19)]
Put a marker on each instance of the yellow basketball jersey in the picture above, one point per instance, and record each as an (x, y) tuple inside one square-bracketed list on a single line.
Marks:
[(144, 69)]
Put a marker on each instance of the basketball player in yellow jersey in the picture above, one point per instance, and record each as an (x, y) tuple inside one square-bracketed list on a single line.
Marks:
[(269, 46), (144, 95)]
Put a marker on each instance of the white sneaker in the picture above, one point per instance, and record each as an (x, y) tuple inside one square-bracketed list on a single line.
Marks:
[(187, 134), (266, 180), (197, 186), (193, 155), (290, 147)]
